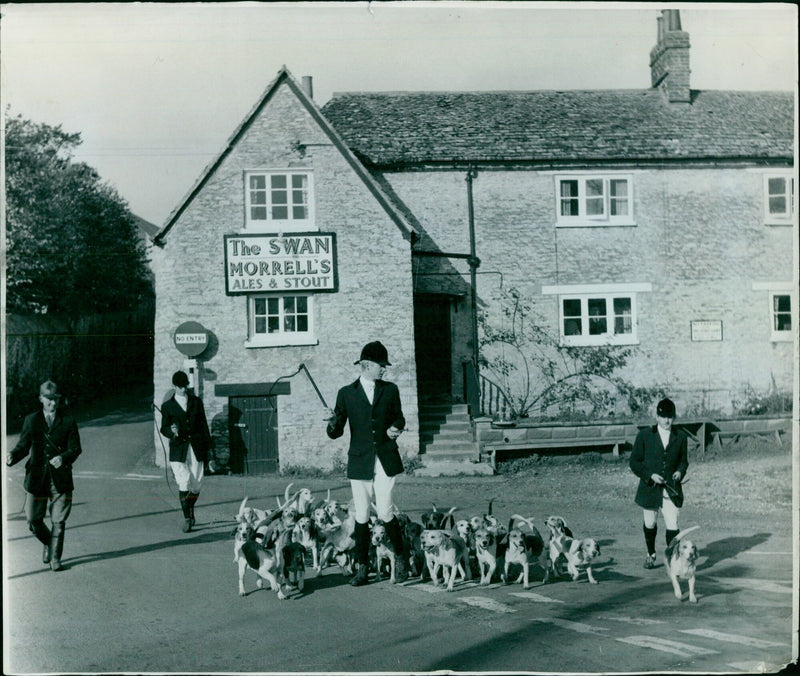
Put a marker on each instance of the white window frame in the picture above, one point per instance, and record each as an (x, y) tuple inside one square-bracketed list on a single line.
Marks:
[(281, 337), (585, 220), (786, 334), (280, 225), (786, 218), (607, 292)]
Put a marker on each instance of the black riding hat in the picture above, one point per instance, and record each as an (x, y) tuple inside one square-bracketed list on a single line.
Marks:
[(376, 352)]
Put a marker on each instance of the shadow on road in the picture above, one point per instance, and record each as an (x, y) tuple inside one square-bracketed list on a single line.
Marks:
[(727, 548), (131, 551)]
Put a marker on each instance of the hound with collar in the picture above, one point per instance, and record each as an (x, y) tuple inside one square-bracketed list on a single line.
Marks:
[(305, 533), (436, 520), (447, 552), (524, 549), (579, 553), (557, 526), (384, 551), (265, 563), (680, 559), (301, 501), (294, 565), (486, 554)]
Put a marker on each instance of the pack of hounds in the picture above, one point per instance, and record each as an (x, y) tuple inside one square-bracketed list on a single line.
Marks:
[(278, 545)]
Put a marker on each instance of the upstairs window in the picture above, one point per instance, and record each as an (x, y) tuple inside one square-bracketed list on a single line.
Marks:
[(778, 198), (595, 319), (280, 320), (278, 200), (594, 200)]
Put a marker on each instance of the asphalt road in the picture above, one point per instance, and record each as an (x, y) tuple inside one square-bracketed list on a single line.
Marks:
[(138, 595)]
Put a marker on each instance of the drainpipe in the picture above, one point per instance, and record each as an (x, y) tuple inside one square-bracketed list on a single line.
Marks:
[(474, 263)]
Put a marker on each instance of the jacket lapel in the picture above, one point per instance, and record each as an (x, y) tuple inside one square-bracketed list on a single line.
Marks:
[(378, 392)]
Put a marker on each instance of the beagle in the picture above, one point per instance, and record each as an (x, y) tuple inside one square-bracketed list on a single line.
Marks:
[(294, 564), (680, 559), (337, 542), (300, 502), (486, 553), (264, 562), (557, 525), (524, 549), (447, 552), (305, 532), (384, 551), (436, 520), (413, 546), (578, 554)]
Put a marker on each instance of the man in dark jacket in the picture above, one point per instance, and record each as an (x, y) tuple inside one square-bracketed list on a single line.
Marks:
[(659, 458), (372, 406), (183, 422), (54, 444)]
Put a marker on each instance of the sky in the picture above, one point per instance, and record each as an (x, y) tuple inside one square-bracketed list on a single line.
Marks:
[(156, 90)]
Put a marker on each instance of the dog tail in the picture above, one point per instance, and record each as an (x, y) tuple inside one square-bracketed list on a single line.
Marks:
[(685, 532), (286, 492), (242, 506), (489, 512)]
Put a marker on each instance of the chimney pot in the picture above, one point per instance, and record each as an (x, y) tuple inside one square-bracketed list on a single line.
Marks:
[(307, 86)]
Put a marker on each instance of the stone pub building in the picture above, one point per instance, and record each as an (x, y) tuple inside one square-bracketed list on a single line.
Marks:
[(659, 219)]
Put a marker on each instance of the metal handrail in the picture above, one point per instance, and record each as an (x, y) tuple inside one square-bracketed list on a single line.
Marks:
[(484, 396), (494, 400)]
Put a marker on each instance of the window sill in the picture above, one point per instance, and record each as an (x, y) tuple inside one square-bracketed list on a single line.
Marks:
[(777, 223), (278, 228), (281, 341), (601, 341), (596, 224), (786, 337)]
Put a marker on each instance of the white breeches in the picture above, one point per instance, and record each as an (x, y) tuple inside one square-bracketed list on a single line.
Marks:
[(381, 488)]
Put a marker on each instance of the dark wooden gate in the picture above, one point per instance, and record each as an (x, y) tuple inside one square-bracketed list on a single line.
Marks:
[(253, 425)]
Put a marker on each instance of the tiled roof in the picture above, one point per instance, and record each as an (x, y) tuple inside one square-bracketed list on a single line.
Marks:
[(387, 129)]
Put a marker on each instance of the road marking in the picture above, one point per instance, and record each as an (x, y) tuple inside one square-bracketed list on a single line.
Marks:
[(665, 646), (427, 587), (107, 474), (755, 584), (630, 620), (487, 604), (535, 597), (732, 638), (579, 627)]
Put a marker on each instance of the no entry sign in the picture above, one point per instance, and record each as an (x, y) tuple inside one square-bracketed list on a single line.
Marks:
[(191, 338)]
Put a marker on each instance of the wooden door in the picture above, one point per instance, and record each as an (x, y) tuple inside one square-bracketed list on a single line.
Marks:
[(253, 423)]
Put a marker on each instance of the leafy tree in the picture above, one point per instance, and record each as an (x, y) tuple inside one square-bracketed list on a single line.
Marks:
[(72, 244), (540, 376)]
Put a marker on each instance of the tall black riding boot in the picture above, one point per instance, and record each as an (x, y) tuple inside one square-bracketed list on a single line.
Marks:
[(670, 535), (57, 546), (361, 537), (187, 522), (396, 538), (650, 541), (42, 534), (191, 499)]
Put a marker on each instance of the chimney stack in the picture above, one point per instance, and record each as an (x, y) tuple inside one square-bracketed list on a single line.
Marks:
[(669, 59), (307, 86)]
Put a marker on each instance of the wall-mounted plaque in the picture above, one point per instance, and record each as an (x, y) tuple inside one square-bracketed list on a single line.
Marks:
[(706, 330)]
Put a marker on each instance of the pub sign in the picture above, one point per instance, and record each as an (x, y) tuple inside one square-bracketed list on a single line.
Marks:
[(287, 263)]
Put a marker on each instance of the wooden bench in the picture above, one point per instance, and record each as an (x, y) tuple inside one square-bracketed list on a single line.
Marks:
[(492, 450)]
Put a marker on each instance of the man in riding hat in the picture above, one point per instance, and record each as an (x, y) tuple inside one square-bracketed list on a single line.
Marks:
[(51, 437), (372, 406)]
